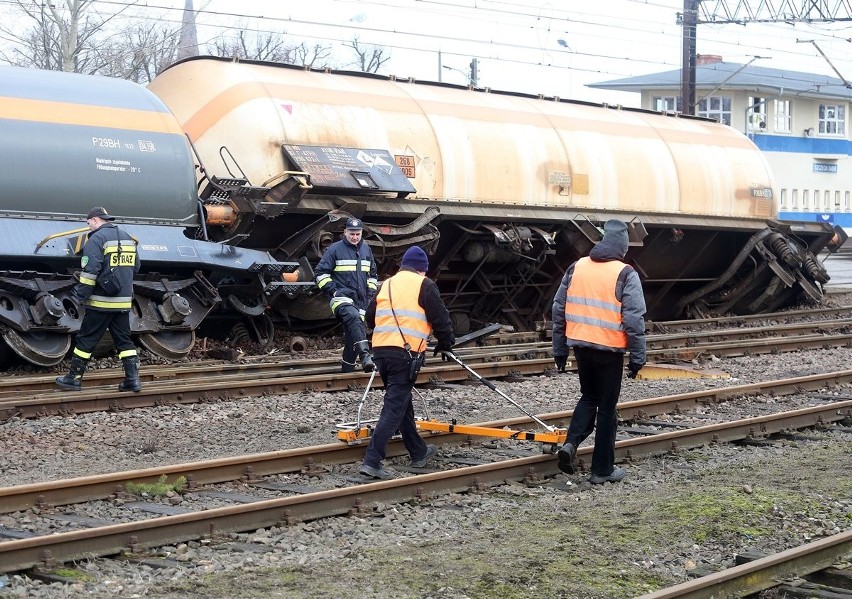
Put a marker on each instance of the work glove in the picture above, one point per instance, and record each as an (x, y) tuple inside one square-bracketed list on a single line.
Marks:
[(560, 362), (443, 350), (633, 369)]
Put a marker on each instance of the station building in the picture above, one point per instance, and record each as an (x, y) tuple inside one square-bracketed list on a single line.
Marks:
[(799, 120)]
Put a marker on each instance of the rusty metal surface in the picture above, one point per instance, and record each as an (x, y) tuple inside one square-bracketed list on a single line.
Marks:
[(555, 154)]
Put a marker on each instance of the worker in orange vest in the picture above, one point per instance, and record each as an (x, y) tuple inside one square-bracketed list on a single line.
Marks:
[(406, 310), (599, 311)]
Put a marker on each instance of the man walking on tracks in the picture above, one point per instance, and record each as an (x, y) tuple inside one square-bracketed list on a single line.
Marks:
[(599, 311), (406, 310), (106, 289), (347, 275)]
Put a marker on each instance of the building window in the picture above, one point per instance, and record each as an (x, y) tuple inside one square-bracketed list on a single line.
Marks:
[(667, 103), (716, 107), (832, 119), (756, 115), (783, 116)]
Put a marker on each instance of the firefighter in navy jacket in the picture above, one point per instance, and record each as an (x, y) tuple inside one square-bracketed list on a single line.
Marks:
[(347, 275), (106, 290)]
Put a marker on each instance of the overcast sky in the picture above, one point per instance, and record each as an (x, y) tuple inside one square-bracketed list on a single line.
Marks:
[(552, 48)]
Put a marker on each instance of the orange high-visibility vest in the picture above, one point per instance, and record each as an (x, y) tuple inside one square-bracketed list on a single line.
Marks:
[(592, 312), (404, 287)]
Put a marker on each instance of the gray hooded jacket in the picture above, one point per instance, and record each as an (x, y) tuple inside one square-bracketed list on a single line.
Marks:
[(628, 290)]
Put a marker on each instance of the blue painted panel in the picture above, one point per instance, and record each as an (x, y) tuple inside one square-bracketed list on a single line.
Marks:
[(801, 145), (844, 219)]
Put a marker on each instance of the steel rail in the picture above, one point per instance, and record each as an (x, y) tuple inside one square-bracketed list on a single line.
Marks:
[(288, 378), (22, 497), (109, 540), (763, 573), (251, 367), (669, 325)]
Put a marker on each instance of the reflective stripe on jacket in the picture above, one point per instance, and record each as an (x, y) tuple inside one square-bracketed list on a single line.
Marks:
[(404, 287), (347, 270), (100, 255), (592, 311)]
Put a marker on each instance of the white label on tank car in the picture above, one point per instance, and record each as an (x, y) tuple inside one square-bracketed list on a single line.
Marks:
[(105, 142), (154, 248), (559, 178)]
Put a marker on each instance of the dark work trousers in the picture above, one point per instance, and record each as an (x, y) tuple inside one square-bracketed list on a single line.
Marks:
[(96, 322), (353, 330), (397, 413), (600, 385)]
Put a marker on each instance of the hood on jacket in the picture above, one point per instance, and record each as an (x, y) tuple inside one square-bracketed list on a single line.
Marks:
[(613, 246)]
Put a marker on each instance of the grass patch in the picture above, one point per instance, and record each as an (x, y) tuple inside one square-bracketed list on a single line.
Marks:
[(157, 489)]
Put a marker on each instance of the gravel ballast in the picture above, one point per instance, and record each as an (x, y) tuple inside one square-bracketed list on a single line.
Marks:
[(673, 517)]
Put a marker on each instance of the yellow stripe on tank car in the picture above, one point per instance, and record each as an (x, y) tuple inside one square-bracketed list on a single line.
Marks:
[(63, 113), (597, 121)]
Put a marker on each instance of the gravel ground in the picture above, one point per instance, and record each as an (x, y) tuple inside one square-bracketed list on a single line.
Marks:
[(674, 516)]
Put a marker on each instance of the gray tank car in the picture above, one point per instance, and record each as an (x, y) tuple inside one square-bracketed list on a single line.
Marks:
[(70, 142)]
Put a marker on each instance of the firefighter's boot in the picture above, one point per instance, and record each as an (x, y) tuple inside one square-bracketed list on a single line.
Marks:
[(131, 375), (73, 380), (363, 349)]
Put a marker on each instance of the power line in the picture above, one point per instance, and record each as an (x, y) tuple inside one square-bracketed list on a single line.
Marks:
[(487, 49)]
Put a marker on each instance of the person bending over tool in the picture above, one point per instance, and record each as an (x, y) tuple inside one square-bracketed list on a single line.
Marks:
[(106, 288), (599, 311), (347, 275), (406, 310)]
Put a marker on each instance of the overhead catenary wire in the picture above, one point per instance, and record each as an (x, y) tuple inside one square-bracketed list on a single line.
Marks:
[(607, 65)]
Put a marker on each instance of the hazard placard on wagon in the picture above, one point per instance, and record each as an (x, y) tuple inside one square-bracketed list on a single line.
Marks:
[(405, 164)]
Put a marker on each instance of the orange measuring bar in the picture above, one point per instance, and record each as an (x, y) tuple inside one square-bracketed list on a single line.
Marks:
[(354, 436)]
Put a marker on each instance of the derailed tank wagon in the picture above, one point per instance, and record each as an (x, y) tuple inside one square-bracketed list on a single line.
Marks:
[(502, 189), (70, 142)]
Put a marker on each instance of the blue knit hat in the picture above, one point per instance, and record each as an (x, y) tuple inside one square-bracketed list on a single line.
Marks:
[(416, 258)]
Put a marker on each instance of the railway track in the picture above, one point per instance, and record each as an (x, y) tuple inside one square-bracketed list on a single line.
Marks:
[(301, 503), (806, 572), (36, 396)]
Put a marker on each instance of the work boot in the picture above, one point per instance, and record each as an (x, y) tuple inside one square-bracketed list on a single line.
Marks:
[(613, 477), (72, 380), (566, 456), (427, 457), (131, 375), (347, 366), (363, 349), (377, 472)]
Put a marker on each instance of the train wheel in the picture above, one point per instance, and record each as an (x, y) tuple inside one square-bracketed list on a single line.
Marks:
[(38, 347), (172, 345)]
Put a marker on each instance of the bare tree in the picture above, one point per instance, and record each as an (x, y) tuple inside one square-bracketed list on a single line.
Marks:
[(260, 46), (312, 56), (368, 59), (143, 51), (63, 35)]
